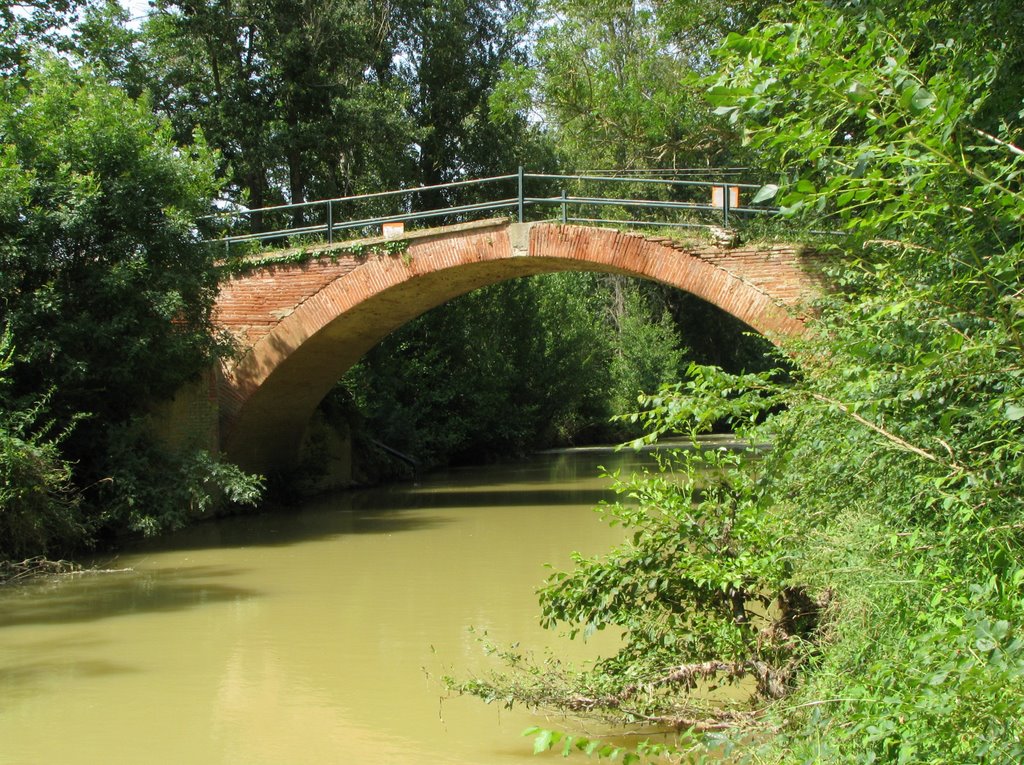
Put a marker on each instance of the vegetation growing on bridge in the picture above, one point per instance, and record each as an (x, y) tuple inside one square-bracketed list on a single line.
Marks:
[(240, 264)]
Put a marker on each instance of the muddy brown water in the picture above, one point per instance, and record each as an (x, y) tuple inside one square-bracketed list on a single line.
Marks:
[(316, 635)]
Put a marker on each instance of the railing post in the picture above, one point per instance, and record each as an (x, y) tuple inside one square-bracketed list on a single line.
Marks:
[(564, 216), (725, 204), (330, 222), (520, 194)]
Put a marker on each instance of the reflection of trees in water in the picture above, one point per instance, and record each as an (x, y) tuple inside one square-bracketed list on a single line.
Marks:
[(92, 597)]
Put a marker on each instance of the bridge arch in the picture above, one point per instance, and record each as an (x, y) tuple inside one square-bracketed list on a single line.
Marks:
[(302, 327)]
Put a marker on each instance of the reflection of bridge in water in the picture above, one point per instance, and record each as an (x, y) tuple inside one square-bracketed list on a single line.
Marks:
[(302, 317)]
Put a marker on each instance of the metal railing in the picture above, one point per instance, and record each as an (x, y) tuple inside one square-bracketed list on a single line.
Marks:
[(643, 202)]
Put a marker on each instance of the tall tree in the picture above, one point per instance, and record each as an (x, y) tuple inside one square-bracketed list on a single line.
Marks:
[(289, 91), (451, 56), (104, 285), (105, 40), (618, 82), (105, 299)]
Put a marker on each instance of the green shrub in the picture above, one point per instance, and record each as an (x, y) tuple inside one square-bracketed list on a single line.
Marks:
[(39, 508), (150, 490)]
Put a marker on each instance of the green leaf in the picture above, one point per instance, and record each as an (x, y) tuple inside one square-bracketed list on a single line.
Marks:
[(766, 192), (921, 100), (858, 93), (1014, 412), (721, 95), (543, 741)]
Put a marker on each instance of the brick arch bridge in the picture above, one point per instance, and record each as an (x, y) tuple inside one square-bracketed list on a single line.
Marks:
[(300, 327)]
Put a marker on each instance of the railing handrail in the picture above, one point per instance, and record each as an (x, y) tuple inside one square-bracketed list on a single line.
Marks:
[(359, 197), (520, 201), (397, 218), (624, 179)]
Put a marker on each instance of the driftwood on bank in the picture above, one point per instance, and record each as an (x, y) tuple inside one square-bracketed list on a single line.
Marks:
[(20, 572)]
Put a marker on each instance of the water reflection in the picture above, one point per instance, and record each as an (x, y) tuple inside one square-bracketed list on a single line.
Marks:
[(102, 596)]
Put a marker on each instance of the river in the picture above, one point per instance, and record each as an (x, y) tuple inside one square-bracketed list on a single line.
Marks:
[(317, 634)]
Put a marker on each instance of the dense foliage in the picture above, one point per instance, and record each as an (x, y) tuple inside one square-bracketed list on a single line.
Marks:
[(26, 25), (487, 375), (903, 123), (888, 508), (617, 83), (98, 212), (307, 100), (290, 93), (105, 287), (39, 509)]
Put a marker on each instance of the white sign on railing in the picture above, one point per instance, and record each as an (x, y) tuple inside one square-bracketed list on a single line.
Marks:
[(718, 196)]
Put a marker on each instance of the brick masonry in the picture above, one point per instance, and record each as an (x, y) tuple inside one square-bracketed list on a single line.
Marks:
[(190, 420), (298, 328)]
